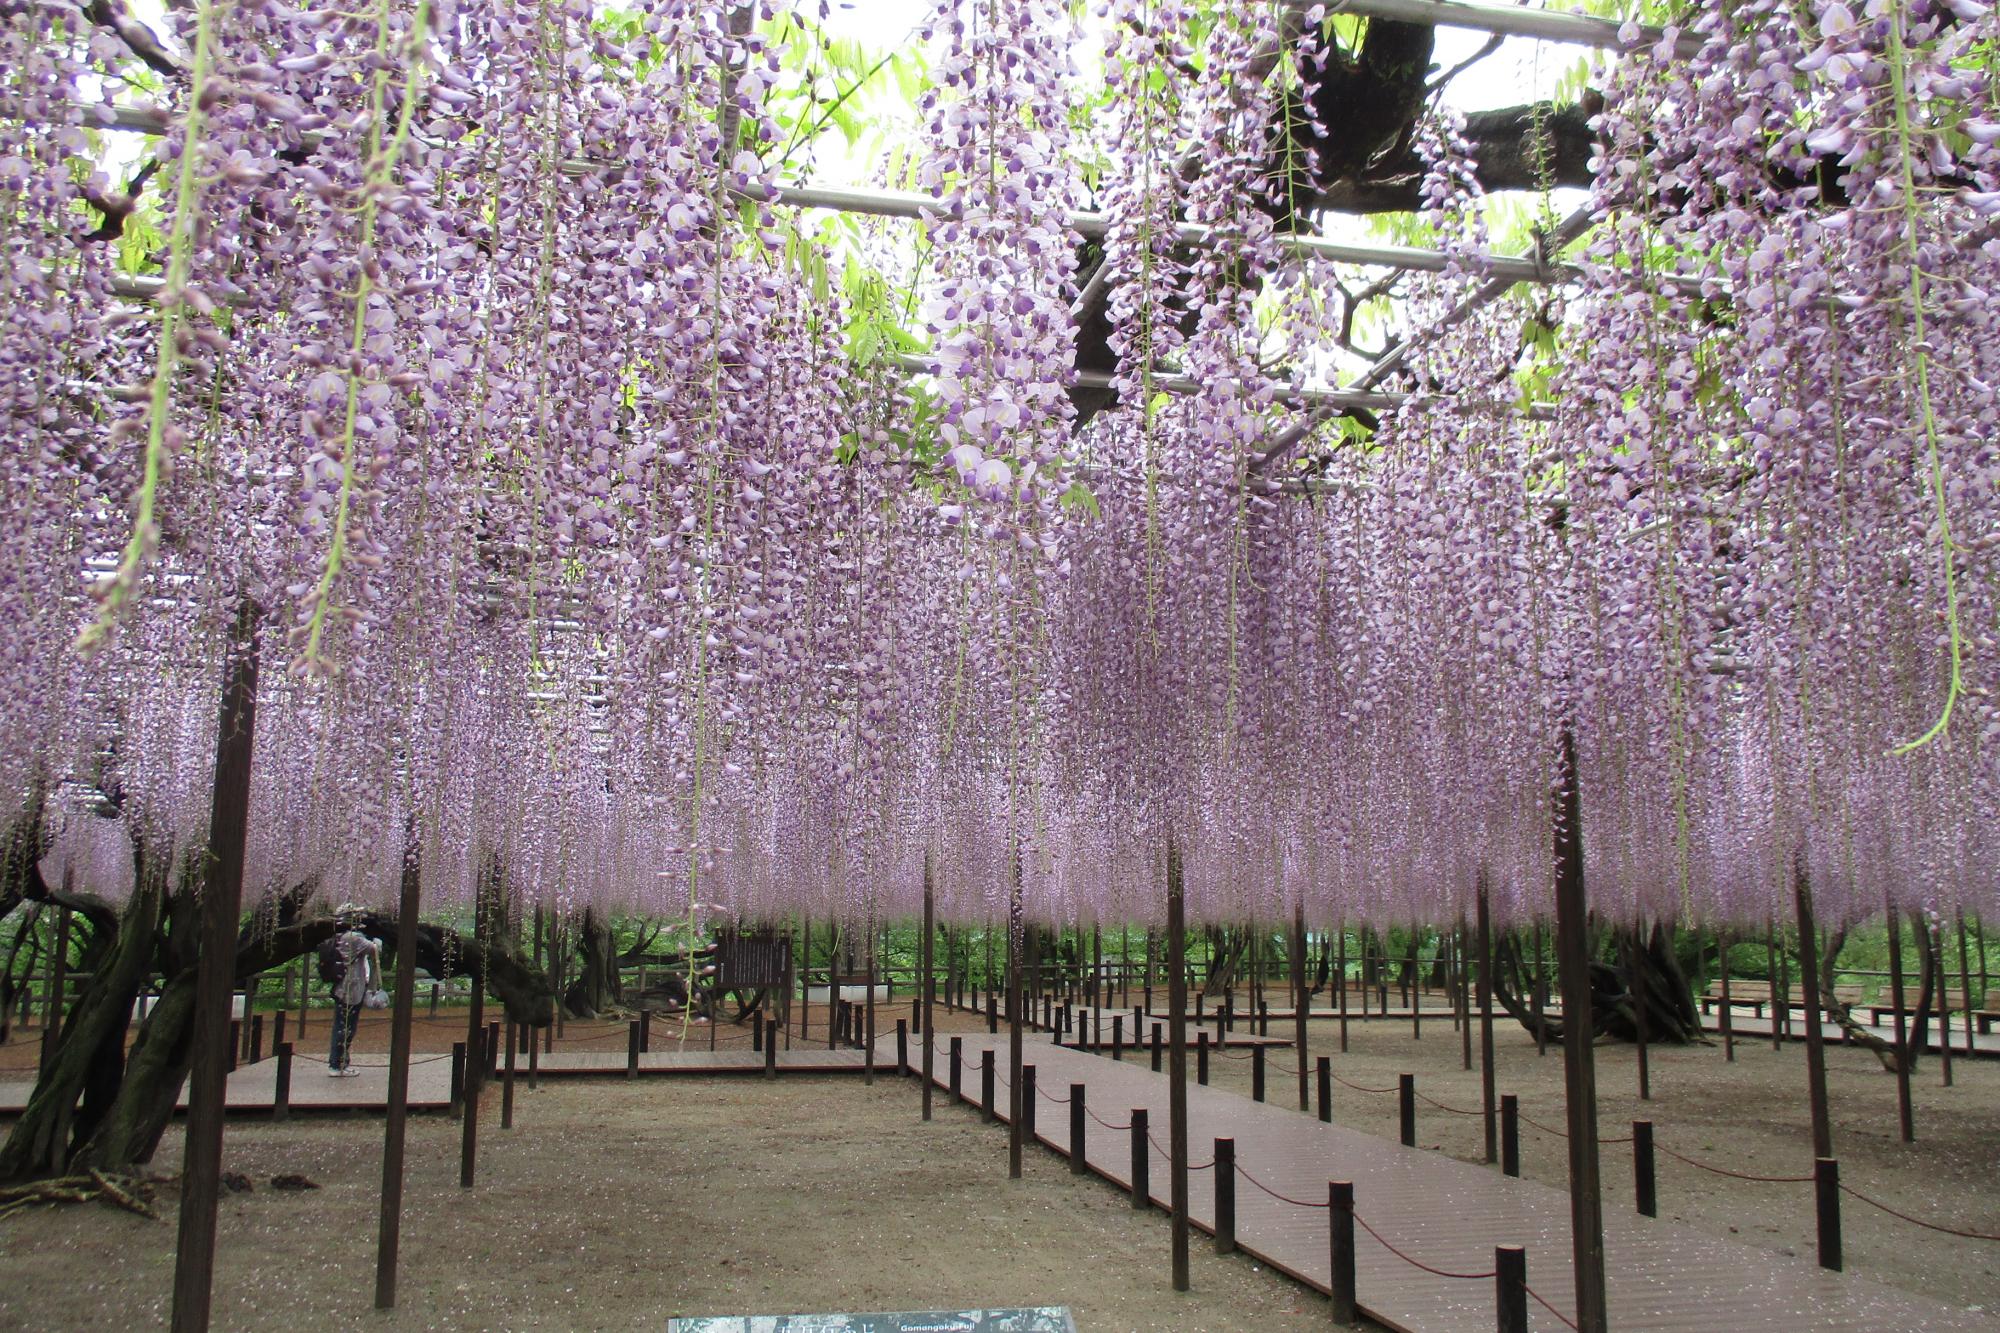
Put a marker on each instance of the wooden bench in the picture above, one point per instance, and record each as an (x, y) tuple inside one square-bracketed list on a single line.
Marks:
[(1743, 994)]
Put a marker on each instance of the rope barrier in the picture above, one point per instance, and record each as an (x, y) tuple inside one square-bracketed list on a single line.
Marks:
[(1418, 1263), (1916, 1221), (1170, 1157), (1358, 1087), (1567, 1322), (1455, 1110), (1563, 1133), (1102, 1121), (1734, 1175), (1281, 1198)]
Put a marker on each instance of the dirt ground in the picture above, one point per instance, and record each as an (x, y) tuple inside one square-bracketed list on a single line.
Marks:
[(614, 1205)]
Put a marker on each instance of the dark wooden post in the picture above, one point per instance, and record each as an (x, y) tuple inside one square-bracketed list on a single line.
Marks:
[(1826, 1196), (1822, 1122), (957, 1064), (235, 1043), (1256, 1073), (903, 1047), (1644, 1179), (1156, 1048), (868, 1001), (1177, 1126), (1028, 1105), (1326, 1089), (1905, 1114), (1077, 1164), (1541, 994), (1510, 1135), (1299, 997), (1340, 983), (507, 1077), (1225, 1196), (281, 1098), (1934, 938), (1510, 1279), (1142, 1161), (632, 1049), (1771, 980), (1461, 990), (457, 1077), (388, 1238), (1486, 1089), (1638, 989), (1586, 1195), (1965, 983), (986, 1085), (1728, 1019), (1201, 1058), (1016, 999), (215, 976), (1340, 1235), (1406, 1108), (929, 982)]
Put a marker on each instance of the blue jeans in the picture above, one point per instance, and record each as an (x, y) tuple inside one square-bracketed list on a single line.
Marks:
[(345, 1018)]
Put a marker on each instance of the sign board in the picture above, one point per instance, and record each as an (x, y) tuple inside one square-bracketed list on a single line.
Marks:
[(1044, 1319), (752, 959)]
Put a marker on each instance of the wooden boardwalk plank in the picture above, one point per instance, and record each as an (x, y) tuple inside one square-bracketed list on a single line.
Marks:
[(1446, 1213)]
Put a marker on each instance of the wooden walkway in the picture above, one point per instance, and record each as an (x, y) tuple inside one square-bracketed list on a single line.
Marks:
[(1445, 1213), (253, 1088)]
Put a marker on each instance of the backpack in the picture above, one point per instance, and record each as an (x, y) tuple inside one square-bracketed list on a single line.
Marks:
[(332, 967)]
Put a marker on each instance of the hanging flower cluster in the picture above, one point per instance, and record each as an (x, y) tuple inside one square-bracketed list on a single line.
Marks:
[(470, 350)]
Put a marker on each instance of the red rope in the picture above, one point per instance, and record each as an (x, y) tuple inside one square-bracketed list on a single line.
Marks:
[(1170, 1157), (1442, 1107), (1418, 1263), (1734, 1175), (1281, 1198), (1917, 1221), (1567, 1321), (1102, 1121), (1361, 1087)]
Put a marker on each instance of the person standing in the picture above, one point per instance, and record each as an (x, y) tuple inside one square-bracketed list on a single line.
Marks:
[(354, 967)]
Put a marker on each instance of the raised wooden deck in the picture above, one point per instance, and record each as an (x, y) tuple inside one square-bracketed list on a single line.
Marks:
[(1445, 1213)]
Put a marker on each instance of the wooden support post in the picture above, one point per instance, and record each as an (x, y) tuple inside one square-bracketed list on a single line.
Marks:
[(215, 976), (1118, 1037), (770, 1051), (457, 1077), (1177, 1118), (632, 1049), (1340, 983), (1225, 1196), (235, 1043), (903, 1048), (1638, 988), (868, 1003), (1771, 979), (1326, 1089), (1510, 1135), (1340, 1235), (1965, 984), (1256, 1073), (389, 1231), (1028, 1106), (281, 1097), (1933, 936), (1586, 1194), (256, 1038), (1201, 1058), (1802, 903), (1016, 1002), (1077, 1162), (534, 1060), (1142, 1161), (1541, 994), (1156, 1048), (1510, 1280), (1644, 1177), (507, 1078), (1406, 1108), (1486, 1077), (929, 982), (957, 1069), (1728, 1018), (1299, 998), (986, 1074), (1905, 1114), (1826, 1197), (1462, 992)]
